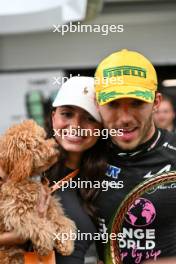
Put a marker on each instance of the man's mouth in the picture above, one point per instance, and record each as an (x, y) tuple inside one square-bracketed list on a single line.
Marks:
[(128, 130), (129, 134)]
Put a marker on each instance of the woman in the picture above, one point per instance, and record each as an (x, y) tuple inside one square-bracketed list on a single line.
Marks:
[(73, 116), (74, 111)]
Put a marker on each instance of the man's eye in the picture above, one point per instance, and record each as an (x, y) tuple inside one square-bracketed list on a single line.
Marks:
[(113, 104), (137, 103)]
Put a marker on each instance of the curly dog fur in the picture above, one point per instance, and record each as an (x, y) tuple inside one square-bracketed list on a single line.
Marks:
[(25, 153)]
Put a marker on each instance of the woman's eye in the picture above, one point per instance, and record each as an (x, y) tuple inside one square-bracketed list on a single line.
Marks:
[(90, 119), (66, 114)]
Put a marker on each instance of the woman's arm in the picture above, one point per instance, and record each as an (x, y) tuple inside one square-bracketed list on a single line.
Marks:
[(10, 238)]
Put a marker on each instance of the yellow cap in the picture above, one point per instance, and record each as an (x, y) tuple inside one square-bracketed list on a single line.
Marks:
[(125, 74)]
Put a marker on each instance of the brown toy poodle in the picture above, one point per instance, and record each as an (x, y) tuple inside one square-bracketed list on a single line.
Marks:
[(24, 154)]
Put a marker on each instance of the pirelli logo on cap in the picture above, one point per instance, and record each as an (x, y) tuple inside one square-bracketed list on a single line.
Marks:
[(125, 70)]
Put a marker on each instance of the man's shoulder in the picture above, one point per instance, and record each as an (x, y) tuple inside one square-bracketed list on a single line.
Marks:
[(168, 143), (169, 138)]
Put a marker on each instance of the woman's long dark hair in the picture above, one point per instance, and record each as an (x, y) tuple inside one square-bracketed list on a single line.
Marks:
[(92, 168)]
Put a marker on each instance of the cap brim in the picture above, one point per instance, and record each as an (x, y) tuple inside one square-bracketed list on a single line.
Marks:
[(108, 95), (74, 102)]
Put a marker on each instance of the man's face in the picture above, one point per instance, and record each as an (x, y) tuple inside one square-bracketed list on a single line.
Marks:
[(165, 115), (133, 116)]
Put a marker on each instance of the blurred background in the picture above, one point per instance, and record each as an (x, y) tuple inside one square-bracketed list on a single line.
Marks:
[(34, 59)]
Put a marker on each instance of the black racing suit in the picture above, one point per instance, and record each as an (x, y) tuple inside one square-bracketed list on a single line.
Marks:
[(150, 224)]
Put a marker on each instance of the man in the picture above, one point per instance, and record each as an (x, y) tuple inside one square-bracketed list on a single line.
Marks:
[(165, 115), (126, 93)]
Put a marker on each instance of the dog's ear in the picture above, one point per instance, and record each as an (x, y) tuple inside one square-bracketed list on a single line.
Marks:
[(22, 168)]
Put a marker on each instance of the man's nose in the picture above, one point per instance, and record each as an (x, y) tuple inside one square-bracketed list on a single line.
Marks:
[(124, 114)]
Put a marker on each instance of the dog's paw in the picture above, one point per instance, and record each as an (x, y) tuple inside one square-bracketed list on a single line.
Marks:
[(42, 251), (65, 247), (43, 243), (44, 248)]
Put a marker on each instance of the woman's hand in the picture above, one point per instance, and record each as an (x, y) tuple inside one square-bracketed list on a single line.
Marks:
[(10, 238)]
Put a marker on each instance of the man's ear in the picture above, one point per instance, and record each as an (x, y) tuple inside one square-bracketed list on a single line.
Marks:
[(22, 168), (157, 101)]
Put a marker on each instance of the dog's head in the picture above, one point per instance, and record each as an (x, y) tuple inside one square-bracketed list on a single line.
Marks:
[(25, 151)]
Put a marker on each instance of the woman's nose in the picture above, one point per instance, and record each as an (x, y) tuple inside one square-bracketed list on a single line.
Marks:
[(76, 122)]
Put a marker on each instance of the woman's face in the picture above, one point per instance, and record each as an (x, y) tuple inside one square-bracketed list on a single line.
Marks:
[(74, 128)]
